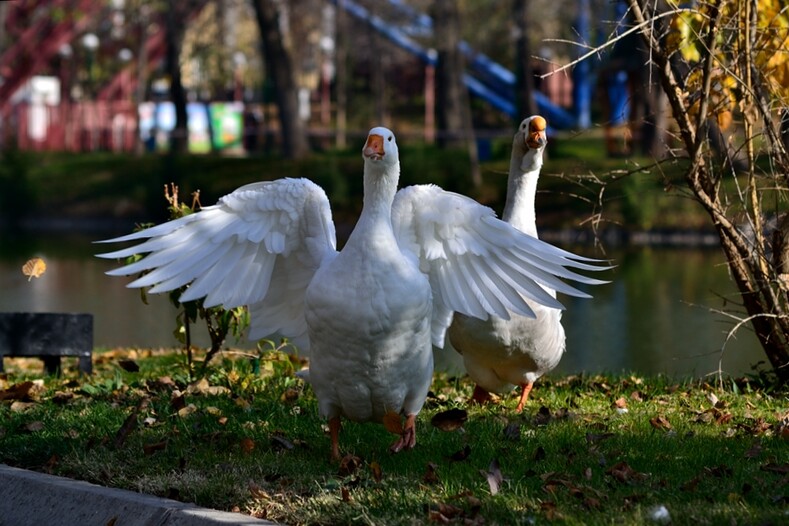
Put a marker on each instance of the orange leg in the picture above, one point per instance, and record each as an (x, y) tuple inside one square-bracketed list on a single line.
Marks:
[(334, 433), (480, 396), (525, 390), (407, 439)]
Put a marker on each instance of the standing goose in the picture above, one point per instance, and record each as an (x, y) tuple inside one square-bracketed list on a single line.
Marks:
[(501, 352), (365, 316)]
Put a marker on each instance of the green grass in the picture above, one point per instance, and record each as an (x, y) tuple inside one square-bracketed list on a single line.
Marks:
[(256, 444)]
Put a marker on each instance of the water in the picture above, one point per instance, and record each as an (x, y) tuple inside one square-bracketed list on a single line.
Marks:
[(653, 318)]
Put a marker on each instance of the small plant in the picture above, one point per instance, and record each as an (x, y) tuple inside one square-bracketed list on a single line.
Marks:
[(218, 321)]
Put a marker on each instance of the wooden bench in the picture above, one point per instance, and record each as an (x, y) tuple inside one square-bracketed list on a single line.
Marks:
[(49, 336)]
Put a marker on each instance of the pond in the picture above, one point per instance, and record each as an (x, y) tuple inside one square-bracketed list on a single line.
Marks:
[(658, 314)]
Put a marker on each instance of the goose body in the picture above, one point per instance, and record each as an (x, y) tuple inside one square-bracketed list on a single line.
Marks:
[(500, 353), (365, 316)]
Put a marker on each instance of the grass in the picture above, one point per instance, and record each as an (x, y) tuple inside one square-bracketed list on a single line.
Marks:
[(586, 450)]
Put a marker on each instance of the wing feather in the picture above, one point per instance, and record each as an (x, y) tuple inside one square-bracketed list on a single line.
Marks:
[(259, 245), (477, 264)]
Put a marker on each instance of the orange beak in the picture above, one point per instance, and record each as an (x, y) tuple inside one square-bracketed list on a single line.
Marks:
[(374, 148), (537, 136)]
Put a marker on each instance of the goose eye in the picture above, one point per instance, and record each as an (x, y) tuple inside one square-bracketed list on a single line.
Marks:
[(390, 138)]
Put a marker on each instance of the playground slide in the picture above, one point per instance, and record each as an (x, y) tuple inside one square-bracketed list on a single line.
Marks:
[(496, 83)]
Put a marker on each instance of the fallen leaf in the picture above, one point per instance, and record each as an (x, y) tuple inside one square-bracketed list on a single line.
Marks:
[(776, 468), (539, 454), (712, 398), (754, 451), (199, 387), (18, 407), (622, 472), (129, 366), (188, 410), (247, 445), (62, 397), (177, 402), (34, 268), (461, 455), (376, 470), (345, 494), (450, 420), (20, 391), (213, 411), (691, 484), (719, 471), (281, 442), (348, 465), (543, 416), (290, 395), (512, 431), (32, 427), (150, 449), (222, 420), (593, 438), (393, 422), (431, 474), (494, 477), (660, 422), (620, 403), (128, 426)]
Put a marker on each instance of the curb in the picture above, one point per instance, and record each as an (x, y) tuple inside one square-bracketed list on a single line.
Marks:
[(31, 498)]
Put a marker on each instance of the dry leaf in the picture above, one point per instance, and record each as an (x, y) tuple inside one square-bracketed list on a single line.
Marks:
[(35, 426), (34, 268), (620, 403), (346, 494), (450, 420), (178, 401), (494, 477), (129, 365), (348, 465), (128, 426), (222, 420), (290, 395), (463, 454), (188, 410), (431, 475), (660, 422), (376, 470), (247, 445), (150, 449), (393, 423)]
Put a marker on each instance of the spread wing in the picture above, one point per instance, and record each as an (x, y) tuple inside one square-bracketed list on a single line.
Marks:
[(477, 264), (258, 246)]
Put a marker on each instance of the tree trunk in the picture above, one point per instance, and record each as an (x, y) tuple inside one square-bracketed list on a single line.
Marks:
[(455, 127), (341, 75), (179, 140), (524, 75), (279, 67)]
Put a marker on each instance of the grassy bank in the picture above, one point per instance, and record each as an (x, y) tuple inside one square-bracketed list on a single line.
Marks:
[(586, 450), (103, 185)]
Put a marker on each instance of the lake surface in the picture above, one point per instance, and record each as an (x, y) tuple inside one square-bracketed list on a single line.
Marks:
[(654, 317)]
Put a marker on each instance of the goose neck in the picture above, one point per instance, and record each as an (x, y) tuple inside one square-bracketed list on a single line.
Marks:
[(521, 191)]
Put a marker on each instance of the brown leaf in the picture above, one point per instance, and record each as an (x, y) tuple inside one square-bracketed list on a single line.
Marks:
[(593, 438), (620, 403), (450, 420), (754, 451), (150, 449), (34, 268), (660, 422), (62, 397), (188, 410), (247, 445), (178, 402), (128, 426), (691, 484), (376, 470), (222, 420), (494, 477), (20, 391), (129, 366), (346, 494), (637, 396), (543, 416), (431, 475), (290, 395), (32, 427), (622, 472), (18, 407), (393, 423), (281, 442), (461, 455), (776, 468), (512, 431), (348, 465)]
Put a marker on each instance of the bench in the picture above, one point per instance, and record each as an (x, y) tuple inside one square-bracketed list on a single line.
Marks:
[(49, 336)]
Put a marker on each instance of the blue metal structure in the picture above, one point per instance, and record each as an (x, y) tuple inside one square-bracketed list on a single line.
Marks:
[(491, 81)]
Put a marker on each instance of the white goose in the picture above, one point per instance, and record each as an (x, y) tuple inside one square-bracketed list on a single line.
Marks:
[(365, 316), (499, 353)]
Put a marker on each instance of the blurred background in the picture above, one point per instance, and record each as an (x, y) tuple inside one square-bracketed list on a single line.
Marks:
[(104, 102)]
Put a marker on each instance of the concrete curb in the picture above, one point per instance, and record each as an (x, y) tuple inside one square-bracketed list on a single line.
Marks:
[(31, 498)]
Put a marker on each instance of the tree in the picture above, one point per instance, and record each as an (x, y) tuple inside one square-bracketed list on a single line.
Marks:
[(452, 100), (279, 67), (175, 14), (725, 63), (524, 99)]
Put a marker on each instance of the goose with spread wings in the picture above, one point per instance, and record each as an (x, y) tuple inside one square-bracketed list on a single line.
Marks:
[(366, 315)]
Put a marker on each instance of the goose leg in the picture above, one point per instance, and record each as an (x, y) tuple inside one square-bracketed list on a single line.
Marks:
[(525, 390), (334, 433), (407, 439), (480, 396)]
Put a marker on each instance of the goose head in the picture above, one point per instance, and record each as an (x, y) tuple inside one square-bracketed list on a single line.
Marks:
[(530, 141), (381, 147)]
